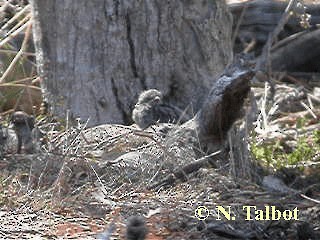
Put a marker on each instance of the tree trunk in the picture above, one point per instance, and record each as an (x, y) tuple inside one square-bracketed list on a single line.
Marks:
[(96, 56)]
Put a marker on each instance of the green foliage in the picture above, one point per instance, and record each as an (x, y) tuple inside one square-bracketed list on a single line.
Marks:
[(303, 152), (316, 136), (273, 155), (301, 122)]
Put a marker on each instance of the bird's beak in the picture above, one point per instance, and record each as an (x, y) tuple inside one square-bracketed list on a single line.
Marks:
[(157, 99)]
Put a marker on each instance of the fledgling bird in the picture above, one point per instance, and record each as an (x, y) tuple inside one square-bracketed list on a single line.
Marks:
[(2, 140), (8, 141), (136, 228), (23, 124), (150, 109)]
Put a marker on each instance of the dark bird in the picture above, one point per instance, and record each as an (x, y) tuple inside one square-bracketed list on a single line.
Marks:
[(23, 124), (3, 139), (136, 228), (150, 109)]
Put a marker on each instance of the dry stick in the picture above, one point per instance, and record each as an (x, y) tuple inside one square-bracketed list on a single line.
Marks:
[(183, 172), (236, 30), (15, 52), (19, 24), (264, 61), (301, 114), (309, 198), (288, 39), (284, 19), (309, 110), (12, 35), (15, 17), (19, 85), (14, 82), (297, 81), (314, 98), (19, 54)]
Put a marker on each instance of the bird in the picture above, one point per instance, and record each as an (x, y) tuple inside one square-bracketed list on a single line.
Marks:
[(136, 228), (3, 139), (23, 125), (8, 141), (150, 109)]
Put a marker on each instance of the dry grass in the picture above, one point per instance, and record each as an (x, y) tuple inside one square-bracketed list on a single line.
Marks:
[(19, 85)]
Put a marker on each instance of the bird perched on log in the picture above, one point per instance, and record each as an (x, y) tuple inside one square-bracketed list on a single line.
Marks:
[(23, 124), (150, 109)]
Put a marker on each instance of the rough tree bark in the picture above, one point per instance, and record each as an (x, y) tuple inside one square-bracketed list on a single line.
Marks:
[(95, 57)]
